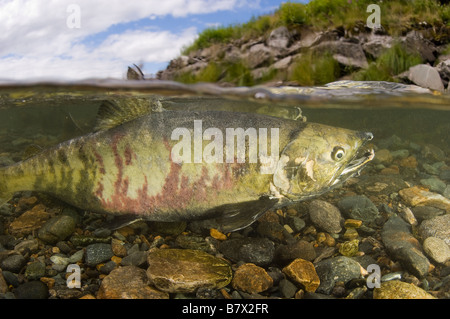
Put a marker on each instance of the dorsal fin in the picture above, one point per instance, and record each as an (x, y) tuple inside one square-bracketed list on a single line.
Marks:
[(114, 113)]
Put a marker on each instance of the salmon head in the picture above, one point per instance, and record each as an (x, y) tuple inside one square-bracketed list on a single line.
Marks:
[(318, 158)]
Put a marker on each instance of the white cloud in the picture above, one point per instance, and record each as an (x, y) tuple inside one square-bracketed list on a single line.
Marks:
[(36, 40), (109, 59)]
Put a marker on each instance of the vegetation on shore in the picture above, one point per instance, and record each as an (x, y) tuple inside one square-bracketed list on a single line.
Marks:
[(320, 15)]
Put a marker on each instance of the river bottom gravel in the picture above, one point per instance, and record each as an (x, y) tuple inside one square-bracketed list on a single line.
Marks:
[(385, 234)]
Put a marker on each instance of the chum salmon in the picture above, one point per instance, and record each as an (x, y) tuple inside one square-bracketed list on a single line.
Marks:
[(183, 165)]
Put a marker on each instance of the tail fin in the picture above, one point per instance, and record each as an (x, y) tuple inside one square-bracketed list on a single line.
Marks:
[(5, 195)]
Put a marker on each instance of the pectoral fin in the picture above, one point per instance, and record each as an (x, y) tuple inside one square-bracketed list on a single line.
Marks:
[(233, 217)]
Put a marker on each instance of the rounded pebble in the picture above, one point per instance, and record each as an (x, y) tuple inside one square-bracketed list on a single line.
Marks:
[(325, 216), (436, 227), (98, 253), (57, 228), (259, 251), (437, 249), (13, 263), (251, 279)]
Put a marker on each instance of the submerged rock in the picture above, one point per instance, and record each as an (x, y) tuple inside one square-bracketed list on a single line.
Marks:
[(259, 251), (57, 228), (128, 282), (437, 249), (303, 272), (359, 207), (415, 196), (185, 270), (32, 290), (29, 221), (35, 270), (380, 184), (13, 263), (426, 212), (251, 279), (336, 269), (436, 227), (434, 184), (98, 253), (402, 246), (285, 254), (325, 216), (396, 289)]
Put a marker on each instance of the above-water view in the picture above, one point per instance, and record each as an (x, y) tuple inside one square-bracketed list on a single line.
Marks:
[(296, 153)]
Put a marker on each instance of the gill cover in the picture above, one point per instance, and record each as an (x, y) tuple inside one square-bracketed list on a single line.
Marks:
[(295, 164)]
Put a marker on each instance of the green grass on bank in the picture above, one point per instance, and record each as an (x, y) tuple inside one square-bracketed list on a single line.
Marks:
[(392, 62), (322, 14), (314, 70), (236, 73)]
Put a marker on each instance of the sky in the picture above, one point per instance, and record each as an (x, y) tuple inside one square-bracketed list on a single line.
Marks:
[(82, 39)]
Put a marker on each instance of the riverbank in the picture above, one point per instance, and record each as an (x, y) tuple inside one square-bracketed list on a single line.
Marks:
[(287, 49)]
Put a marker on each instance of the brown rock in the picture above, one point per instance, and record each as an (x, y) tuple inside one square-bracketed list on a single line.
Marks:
[(251, 279), (415, 196), (304, 273), (396, 289), (118, 247), (409, 162), (128, 282), (29, 221), (391, 170)]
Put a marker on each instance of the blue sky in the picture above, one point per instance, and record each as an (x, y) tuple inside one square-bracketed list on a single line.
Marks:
[(78, 39)]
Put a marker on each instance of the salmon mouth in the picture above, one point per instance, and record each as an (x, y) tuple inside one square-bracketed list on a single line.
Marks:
[(355, 166)]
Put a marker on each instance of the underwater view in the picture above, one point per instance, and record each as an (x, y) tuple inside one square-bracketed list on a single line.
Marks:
[(379, 229)]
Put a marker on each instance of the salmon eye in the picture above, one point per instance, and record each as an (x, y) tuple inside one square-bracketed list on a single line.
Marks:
[(338, 153)]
